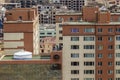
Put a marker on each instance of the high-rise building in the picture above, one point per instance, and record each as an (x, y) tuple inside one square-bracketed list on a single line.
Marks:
[(71, 4), (91, 47), (21, 30)]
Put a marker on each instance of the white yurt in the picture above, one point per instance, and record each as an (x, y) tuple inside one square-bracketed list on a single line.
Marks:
[(22, 55)]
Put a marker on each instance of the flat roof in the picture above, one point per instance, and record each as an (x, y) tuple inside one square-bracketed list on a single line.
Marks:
[(35, 57), (89, 23)]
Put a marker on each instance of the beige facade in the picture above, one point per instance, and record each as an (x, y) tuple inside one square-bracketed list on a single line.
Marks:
[(77, 55)]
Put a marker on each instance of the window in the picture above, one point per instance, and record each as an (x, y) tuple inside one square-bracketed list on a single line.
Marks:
[(75, 55), (99, 71), (60, 38), (60, 31), (74, 78), (117, 29), (74, 38), (74, 71), (110, 30), (117, 54), (118, 63), (100, 38), (74, 63), (88, 63), (110, 63), (88, 78), (100, 55), (49, 33), (110, 71), (70, 19), (110, 55), (99, 63), (117, 46), (42, 33), (99, 78), (88, 38), (89, 30), (118, 78), (88, 46), (74, 30), (109, 78), (88, 55), (110, 38), (100, 47), (110, 47), (74, 46), (118, 38), (99, 29), (88, 71), (118, 71)]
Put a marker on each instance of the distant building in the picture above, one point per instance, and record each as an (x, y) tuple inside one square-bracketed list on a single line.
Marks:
[(47, 44), (75, 5), (46, 14), (21, 30), (47, 30)]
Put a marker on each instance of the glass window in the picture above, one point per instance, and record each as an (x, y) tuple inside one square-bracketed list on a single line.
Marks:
[(88, 63), (100, 47), (88, 38), (74, 78), (110, 55), (99, 29), (110, 71), (118, 71), (118, 63), (99, 78), (109, 78), (110, 63), (74, 63), (88, 55), (110, 47), (99, 63), (117, 29), (60, 38), (88, 71), (74, 71), (117, 54), (118, 38), (88, 78), (118, 78), (60, 31), (74, 46), (110, 29), (74, 38), (100, 38), (89, 30), (88, 46), (74, 30), (117, 46), (99, 71), (100, 55), (110, 38), (74, 55)]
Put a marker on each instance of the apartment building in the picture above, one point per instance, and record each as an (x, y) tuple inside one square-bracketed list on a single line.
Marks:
[(2, 1), (21, 30), (62, 17), (46, 14), (47, 30), (91, 47), (71, 4)]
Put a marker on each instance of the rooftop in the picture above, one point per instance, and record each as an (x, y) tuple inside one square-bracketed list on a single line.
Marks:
[(35, 57), (90, 23)]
